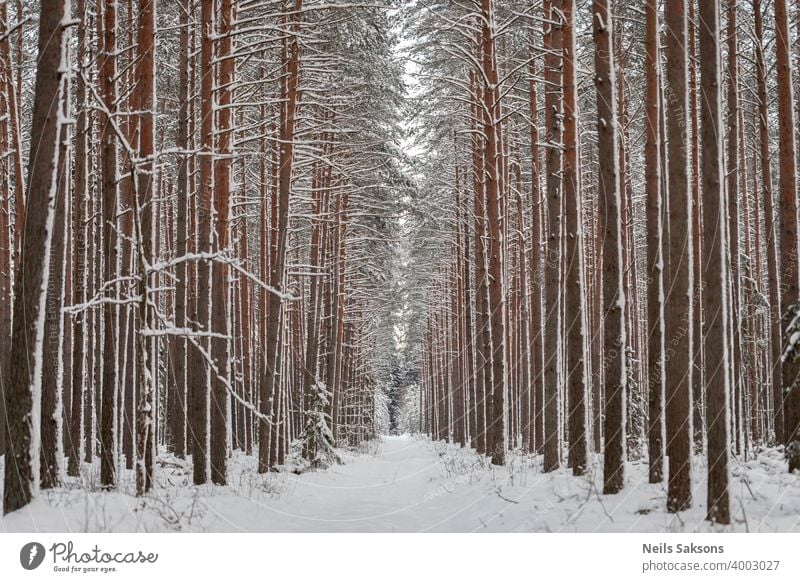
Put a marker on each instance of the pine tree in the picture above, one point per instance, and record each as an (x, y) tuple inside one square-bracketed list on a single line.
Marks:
[(79, 279), (613, 291), (552, 262), (574, 300), (655, 313), (678, 281), (272, 360), (144, 210), (179, 402), (717, 379), (107, 62), (491, 110), (220, 353), (199, 371), (787, 179), (774, 320), (23, 388)]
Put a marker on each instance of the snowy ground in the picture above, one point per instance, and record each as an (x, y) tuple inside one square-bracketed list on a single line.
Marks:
[(407, 484)]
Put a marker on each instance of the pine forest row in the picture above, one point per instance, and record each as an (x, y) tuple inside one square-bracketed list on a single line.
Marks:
[(565, 228)]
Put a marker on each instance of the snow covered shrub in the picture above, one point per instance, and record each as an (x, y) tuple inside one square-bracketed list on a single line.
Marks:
[(791, 350), (793, 453), (316, 449)]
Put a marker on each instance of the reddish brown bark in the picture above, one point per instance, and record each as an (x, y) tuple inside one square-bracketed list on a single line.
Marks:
[(27, 329), (613, 294), (677, 284), (655, 342), (483, 347), (491, 137), (270, 382), (219, 275), (733, 198), (145, 186), (534, 432), (552, 238), (788, 225), (574, 299), (717, 384), (199, 370), (108, 138), (178, 418), (774, 320), (6, 244)]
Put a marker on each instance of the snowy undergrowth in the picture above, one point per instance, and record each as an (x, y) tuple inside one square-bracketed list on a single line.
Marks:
[(764, 497), (174, 503), (412, 484)]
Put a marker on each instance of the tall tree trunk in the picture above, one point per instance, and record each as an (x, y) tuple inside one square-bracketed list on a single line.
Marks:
[(5, 230), (774, 319), (537, 276), (552, 258), (127, 314), (732, 189), (483, 348), (698, 369), (143, 216), (80, 281), (270, 383), (614, 343), (574, 300), (655, 308), (458, 318), (787, 162), (178, 420), (13, 97), (318, 193), (199, 371), (219, 298), (24, 380), (52, 353), (108, 138), (717, 380), (6, 243), (469, 330), (491, 130), (678, 284)]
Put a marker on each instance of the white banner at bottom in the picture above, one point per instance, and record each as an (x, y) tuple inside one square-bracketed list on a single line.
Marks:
[(399, 557)]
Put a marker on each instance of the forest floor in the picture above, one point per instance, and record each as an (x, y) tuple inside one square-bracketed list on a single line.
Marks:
[(402, 483)]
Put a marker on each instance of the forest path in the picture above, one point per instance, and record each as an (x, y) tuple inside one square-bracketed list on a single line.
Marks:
[(404, 483), (398, 483)]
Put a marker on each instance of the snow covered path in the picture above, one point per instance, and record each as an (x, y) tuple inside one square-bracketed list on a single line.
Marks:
[(407, 484)]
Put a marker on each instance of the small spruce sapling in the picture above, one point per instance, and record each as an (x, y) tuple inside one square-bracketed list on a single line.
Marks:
[(317, 445), (791, 352)]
